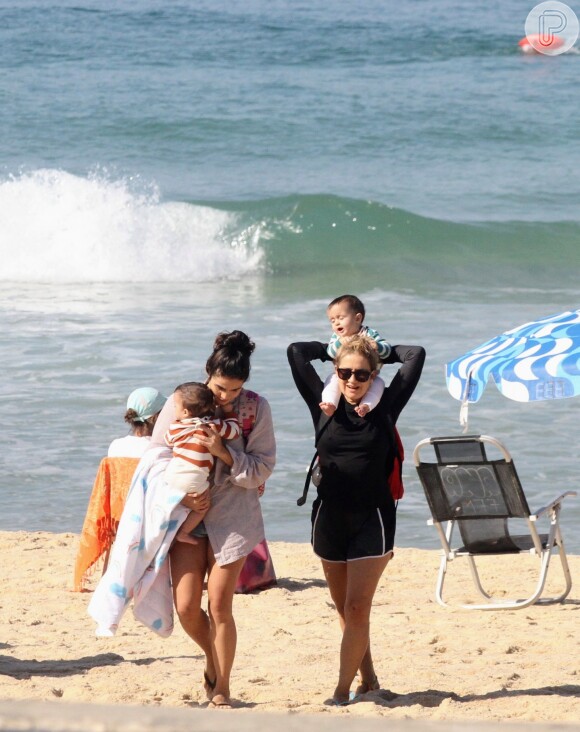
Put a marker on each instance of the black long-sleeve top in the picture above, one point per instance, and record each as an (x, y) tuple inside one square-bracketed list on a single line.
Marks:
[(356, 453)]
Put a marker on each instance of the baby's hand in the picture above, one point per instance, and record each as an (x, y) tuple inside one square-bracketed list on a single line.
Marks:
[(328, 408), (362, 409)]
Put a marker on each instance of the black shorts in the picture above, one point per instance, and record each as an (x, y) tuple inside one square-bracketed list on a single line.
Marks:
[(339, 535)]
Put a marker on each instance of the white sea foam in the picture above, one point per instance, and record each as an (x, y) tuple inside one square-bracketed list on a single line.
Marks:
[(58, 227)]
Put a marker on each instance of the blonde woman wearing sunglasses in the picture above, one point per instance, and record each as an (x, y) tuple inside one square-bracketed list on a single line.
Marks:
[(354, 515)]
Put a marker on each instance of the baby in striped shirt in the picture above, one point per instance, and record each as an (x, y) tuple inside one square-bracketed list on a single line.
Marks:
[(346, 314), (189, 468)]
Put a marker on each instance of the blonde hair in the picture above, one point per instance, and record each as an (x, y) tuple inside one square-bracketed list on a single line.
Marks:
[(361, 346)]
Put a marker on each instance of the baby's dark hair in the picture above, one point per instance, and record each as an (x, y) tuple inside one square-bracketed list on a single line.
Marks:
[(231, 356), (197, 398), (353, 303)]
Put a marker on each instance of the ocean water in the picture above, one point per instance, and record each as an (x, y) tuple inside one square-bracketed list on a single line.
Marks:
[(171, 170)]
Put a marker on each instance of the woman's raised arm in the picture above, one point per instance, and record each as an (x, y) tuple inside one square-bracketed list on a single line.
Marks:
[(307, 381), (403, 384)]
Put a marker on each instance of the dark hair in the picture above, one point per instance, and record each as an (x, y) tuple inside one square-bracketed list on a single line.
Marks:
[(197, 398), (139, 426), (231, 356), (353, 303)]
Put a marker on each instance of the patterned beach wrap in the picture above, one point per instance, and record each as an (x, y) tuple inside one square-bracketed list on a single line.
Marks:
[(258, 570), (138, 566), (112, 483)]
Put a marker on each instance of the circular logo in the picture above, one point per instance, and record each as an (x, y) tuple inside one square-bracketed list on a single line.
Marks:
[(551, 28)]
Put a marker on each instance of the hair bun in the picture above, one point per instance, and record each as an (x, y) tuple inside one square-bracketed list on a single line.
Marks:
[(236, 341), (231, 356)]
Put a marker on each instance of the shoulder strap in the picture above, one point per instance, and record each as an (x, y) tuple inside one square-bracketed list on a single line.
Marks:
[(395, 478), (302, 500), (247, 411)]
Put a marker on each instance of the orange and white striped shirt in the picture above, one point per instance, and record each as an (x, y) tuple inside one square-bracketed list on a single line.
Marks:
[(189, 469)]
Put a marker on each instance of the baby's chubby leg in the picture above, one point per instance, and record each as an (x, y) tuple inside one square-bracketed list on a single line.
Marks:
[(195, 516), (193, 519), (371, 398), (330, 395)]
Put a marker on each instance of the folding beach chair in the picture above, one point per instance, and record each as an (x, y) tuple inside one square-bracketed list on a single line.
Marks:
[(479, 495)]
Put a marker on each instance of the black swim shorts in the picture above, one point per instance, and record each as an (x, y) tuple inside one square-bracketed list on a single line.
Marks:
[(339, 535)]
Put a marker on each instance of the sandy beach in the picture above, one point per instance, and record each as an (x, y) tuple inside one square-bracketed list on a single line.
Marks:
[(433, 663)]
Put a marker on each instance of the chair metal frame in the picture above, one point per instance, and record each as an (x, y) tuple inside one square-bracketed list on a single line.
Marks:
[(541, 549)]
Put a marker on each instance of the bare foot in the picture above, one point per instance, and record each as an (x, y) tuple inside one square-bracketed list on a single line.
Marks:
[(365, 686), (328, 408), (339, 699), (220, 701), (337, 702), (362, 410)]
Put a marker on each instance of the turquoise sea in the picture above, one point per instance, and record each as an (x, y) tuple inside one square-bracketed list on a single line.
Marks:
[(169, 170)]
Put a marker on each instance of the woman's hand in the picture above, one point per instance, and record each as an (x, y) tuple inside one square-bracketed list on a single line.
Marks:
[(196, 501), (214, 443)]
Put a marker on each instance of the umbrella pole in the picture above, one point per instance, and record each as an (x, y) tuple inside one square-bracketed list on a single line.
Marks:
[(463, 412)]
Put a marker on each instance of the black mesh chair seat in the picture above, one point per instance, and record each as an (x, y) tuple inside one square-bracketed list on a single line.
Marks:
[(505, 545), (480, 497)]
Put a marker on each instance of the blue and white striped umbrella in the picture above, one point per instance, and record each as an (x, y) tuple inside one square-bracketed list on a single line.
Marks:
[(536, 361)]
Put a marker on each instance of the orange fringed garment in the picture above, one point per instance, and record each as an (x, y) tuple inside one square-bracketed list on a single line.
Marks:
[(103, 514)]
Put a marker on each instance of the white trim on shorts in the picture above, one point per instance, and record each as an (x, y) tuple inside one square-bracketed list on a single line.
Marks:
[(330, 561), (312, 534), (356, 559), (376, 556)]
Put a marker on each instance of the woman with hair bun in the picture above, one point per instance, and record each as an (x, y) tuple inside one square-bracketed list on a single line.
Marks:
[(233, 524)]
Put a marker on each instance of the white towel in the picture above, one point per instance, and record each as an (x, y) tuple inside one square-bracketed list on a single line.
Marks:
[(138, 565)]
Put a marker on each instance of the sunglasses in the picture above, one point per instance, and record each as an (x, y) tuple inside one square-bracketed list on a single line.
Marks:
[(361, 375)]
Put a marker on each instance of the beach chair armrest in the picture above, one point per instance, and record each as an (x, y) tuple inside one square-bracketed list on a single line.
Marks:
[(551, 506)]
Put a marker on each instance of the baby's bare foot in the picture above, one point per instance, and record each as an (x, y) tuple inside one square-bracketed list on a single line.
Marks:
[(327, 408), (362, 410)]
